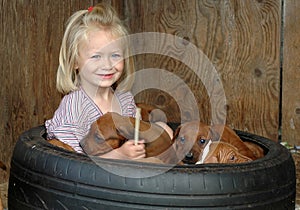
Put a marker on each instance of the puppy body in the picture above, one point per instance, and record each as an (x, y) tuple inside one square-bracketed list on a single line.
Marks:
[(257, 150), (150, 113), (223, 152), (59, 143), (2, 166), (229, 136), (112, 130)]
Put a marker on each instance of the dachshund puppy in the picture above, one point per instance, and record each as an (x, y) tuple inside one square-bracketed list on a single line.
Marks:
[(229, 136), (190, 138), (257, 150), (223, 152), (111, 130), (195, 136), (2, 166), (150, 113), (61, 144)]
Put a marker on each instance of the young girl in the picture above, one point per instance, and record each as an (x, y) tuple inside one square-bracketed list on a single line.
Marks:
[(92, 61)]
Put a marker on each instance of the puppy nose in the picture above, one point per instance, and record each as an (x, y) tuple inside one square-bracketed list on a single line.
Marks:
[(189, 155)]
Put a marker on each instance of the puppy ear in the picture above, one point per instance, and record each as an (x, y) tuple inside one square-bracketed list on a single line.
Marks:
[(176, 133), (211, 159), (157, 115), (213, 134)]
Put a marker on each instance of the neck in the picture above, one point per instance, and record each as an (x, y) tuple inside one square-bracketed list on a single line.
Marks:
[(103, 93)]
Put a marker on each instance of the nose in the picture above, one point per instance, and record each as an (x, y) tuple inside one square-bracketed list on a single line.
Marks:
[(189, 155), (107, 64)]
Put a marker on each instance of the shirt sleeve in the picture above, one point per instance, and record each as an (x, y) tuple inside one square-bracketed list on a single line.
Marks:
[(70, 134), (127, 104), (67, 125)]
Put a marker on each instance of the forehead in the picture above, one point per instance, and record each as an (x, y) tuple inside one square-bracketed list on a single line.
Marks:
[(100, 40)]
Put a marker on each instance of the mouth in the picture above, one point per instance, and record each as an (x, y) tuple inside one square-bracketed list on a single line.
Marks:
[(106, 76)]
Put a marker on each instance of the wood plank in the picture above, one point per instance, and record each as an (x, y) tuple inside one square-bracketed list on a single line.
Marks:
[(291, 74), (30, 37), (242, 40)]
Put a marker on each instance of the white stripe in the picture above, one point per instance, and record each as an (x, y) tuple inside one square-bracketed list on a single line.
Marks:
[(204, 153)]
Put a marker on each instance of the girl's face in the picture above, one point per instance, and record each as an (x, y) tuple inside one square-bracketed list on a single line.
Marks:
[(100, 60)]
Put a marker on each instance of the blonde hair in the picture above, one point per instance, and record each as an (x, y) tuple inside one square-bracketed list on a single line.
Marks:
[(78, 26)]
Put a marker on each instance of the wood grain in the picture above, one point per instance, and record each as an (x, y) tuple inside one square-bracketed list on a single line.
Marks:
[(290, 74), (31, 33), (241, 39)]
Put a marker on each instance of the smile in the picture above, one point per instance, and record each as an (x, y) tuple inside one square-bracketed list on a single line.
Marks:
[(106, 76)]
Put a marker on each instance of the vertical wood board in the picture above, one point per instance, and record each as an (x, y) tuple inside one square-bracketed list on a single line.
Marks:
[(242, 40), (291, 73)]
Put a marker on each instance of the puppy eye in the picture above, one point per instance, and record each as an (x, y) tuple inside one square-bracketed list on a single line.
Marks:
[(182, 140), (201, 141), (232, 158), (97, 138)]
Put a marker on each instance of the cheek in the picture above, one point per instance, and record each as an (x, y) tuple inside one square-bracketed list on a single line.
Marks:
[(120, 66), (85, 66)]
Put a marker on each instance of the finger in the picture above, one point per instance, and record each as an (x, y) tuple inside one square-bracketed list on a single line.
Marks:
[(140, 156), (141, 141)]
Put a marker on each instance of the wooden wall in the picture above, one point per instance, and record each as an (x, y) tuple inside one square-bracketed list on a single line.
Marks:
[(254, 45), (242, 40), (290, 112)]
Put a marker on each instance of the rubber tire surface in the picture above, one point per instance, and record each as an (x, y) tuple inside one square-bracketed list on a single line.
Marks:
[(43, 176)]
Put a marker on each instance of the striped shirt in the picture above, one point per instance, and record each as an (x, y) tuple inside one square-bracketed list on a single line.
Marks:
[(75, 114)]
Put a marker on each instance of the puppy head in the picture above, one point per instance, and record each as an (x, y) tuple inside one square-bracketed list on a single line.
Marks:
[(222, 152), (151, 113), (100, 140), (190, 139)]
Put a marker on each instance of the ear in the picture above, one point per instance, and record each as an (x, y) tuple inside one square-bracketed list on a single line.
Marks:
[(211, 159), (76, 65), (176, 133), (213, 134)]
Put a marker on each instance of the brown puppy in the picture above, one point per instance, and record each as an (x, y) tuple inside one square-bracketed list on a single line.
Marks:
[(1, 205), (190, 139), (195, 136), (229, 136), (59, 143), (150, 113), (2, 166), (111, 130), (257, 150), (223, 152)]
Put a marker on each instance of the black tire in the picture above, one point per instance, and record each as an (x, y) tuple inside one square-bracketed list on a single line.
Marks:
[(43, 176)]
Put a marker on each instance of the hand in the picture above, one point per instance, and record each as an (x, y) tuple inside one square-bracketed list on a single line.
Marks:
[(132, 151)]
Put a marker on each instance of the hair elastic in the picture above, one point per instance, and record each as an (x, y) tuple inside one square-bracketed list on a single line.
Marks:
[(90, 9)]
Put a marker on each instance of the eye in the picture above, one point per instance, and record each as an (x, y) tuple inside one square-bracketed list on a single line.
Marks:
[(182, 140), (232, 157), (97, 138), (96, 57), (201, 141), (116, 56)]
